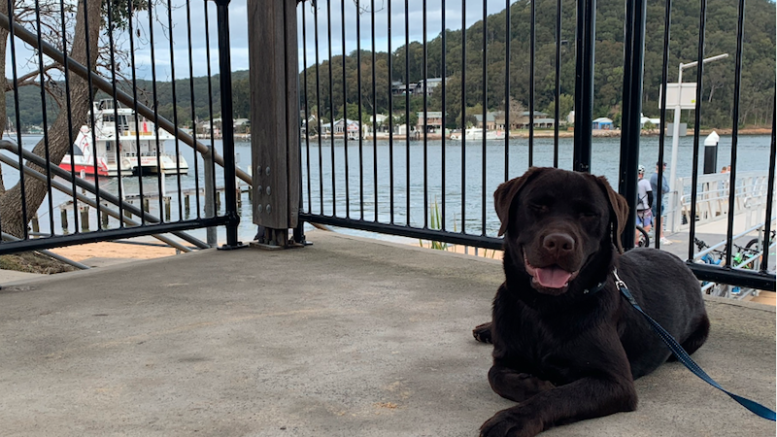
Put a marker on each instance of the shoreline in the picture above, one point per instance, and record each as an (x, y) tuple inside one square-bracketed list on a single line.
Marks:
[(544, 133)]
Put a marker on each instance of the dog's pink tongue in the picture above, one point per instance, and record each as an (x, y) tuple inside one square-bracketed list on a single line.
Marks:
[(552, 277)]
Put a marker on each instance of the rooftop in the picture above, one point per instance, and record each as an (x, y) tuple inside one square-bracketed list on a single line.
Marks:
[(346, 337)]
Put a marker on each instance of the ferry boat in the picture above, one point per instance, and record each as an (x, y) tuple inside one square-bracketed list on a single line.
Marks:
[(137, 145), (477, 134)]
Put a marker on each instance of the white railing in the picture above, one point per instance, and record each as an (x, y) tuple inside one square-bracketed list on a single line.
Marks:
[(712, 199)]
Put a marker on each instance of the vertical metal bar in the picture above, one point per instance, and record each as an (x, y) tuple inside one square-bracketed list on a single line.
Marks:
[(307, 114), (318, 111), (391, 111), (22, 183), (767, 241), (194, 114), (225, 75), (92, 109), (508, 27), (425, 71), (532, 48), (130, 13), (558, 84), (175, 110), (332, 106), (361, 121), (407, 111), (463, 116), (697, 123), (442, 118), (374, 117), (298, 234), (68, 108), (584, 84), (116, 110), (209, 162), (634, 55), (160, 173), (345, 116), (45, 118), (661, 138), (735, 134), (485, 121)]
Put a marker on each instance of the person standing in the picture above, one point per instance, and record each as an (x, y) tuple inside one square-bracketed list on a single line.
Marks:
[(644, 200), (660, 191)]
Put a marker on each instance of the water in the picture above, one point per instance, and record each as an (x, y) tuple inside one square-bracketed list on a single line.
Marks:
[(329, 196), (753, 156)]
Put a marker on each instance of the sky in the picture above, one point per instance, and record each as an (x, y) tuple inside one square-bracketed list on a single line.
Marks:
[(238, 31)]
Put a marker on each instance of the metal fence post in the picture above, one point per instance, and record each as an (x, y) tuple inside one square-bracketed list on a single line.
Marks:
[(584, 84), (631, 124), (227, 125), (210, 195), (275, 118)]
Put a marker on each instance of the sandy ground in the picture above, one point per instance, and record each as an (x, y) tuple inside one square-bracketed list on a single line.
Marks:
[(113, 250)]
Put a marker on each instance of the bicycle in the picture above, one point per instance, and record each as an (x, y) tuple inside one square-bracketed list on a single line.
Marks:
[(739, 259), (716, 257), (643, 239), (754, 246)]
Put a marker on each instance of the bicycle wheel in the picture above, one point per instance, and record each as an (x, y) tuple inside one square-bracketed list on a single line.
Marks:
[(643, 237), (754, 247)]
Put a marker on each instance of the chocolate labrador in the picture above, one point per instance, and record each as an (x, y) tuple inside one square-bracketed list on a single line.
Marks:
[(567, 345)]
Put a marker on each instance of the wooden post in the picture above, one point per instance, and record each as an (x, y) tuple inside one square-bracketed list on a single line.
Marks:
[(273, 65), (63, 220), (167, 201), (218, 201), (146, 204), (127, 212), (85, 218), (186, 208), (35, 223)]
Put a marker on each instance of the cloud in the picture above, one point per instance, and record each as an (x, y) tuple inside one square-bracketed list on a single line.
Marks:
[(190, 16)]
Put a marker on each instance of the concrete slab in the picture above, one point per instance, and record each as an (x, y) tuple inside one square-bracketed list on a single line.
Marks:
[(349, 337), (13, 276)]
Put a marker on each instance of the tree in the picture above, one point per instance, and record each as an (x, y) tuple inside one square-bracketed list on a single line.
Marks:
[(566, 105), (59, 141)]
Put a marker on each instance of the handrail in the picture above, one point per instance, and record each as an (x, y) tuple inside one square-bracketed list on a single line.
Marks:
[(13, 148), (61, 187), (104, 85)]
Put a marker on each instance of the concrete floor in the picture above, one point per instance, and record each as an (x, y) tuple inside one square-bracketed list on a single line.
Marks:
[(349, 337)]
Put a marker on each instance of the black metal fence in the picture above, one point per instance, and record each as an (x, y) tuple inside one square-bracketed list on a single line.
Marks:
[(412, 113), (101, 138), (381, 115)]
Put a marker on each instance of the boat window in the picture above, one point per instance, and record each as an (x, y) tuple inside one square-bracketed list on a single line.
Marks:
[(108, 145), (107, 118)]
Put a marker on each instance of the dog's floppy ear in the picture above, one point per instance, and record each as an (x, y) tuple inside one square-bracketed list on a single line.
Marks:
[(506, 193), (619, 212)]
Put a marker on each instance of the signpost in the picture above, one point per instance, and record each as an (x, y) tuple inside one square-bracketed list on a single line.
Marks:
[(680, 96)]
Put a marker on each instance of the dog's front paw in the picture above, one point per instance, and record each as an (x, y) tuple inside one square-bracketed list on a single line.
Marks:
[(512, 422), (482, 333)]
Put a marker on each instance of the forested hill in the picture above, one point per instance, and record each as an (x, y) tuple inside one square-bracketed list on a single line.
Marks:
[(30, 101), (758, 79)]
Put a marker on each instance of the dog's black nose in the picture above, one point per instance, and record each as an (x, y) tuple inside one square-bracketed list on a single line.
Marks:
[(558, 244)]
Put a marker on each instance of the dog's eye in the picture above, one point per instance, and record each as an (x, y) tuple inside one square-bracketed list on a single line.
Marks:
[(536, 207), (588, 214)]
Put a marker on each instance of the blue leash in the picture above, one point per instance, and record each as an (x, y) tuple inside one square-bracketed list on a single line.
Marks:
[(683, 357)]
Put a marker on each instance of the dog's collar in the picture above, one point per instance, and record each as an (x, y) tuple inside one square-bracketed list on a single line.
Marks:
[(593, 290)]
